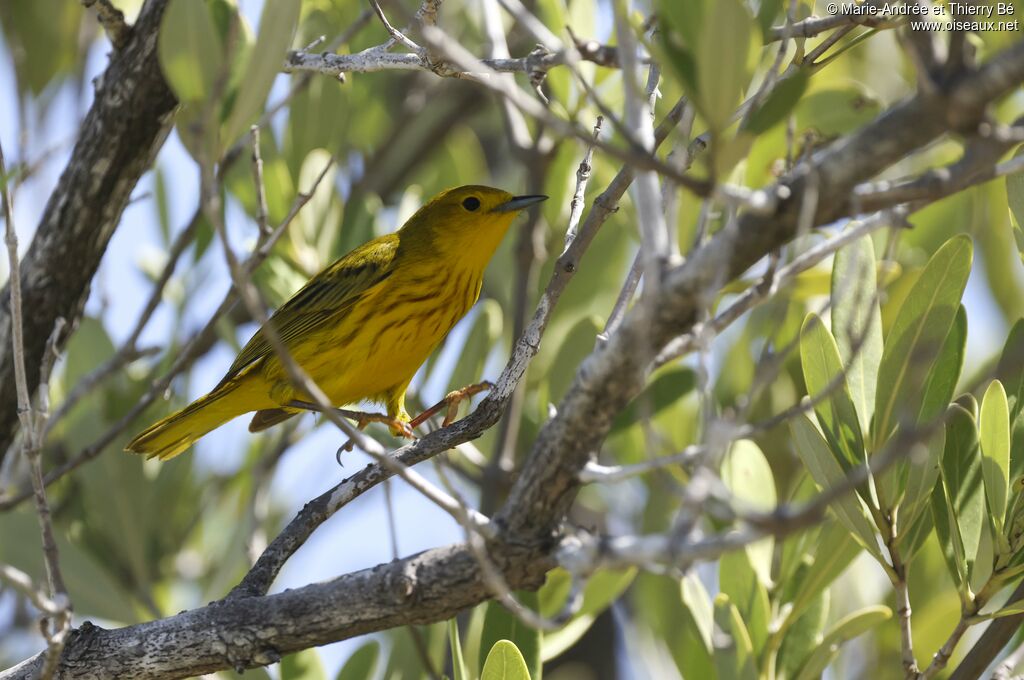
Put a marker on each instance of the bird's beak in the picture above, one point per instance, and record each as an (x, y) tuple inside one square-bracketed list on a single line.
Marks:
[(517, 203)]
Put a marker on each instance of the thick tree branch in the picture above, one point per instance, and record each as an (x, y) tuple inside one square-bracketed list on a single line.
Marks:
[(255, 631), (128, 122)]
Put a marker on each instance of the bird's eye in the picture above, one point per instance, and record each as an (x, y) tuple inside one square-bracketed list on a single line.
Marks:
[(471, 203)]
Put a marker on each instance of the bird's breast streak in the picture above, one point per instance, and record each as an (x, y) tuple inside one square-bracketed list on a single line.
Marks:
[(400, 342)]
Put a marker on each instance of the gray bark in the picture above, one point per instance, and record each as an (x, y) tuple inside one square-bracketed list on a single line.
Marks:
[(118, 140)]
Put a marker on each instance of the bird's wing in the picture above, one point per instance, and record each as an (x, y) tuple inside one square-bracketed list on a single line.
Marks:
[(326, 296)]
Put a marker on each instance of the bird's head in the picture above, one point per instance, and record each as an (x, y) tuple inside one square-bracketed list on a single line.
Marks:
[(469, 220)]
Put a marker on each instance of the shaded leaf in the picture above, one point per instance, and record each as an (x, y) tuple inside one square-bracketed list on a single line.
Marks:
[(722, 60), (189, 50), (917, 336), (813, 450), (779, 104), (362, 665), (304, 665), (823, 373), (734, 655), (746, 472), (994, 436), (842, 631), (277, 28)]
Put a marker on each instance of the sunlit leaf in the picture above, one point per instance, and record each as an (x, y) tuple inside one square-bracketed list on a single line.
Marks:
[(994, 436), (501, 624), (737, 579), (504, 662), (458, 662), (746, 472), (734, 654)]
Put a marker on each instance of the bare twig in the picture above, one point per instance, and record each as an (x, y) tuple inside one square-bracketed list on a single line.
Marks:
[(23, 584), (33, 423), (395, 34), (579, 195)]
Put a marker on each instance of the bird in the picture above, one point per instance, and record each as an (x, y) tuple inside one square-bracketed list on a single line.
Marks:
[(362, 327)]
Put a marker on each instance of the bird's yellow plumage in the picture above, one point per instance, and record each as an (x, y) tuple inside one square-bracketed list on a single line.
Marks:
[(363, 326)]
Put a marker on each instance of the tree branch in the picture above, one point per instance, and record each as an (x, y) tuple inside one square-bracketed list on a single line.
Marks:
[(127, 124)]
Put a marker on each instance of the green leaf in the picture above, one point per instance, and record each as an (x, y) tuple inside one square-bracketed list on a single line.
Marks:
[(189, 50), (780, 103), (823, 373), (722, 60), (685, 18), (766, 14), (831, 554), (601, 590), (698, 605), (734, 654), (917, 336), (746, 472), (1011, 609), (665, 390), (800, 639), (949, 540), (1015, 200), (362, 665), (857, 323), (1010, 369), (836, 111), (501, 624), (504, 662), (821, 464), (844, 630), (579, 341), (994, 435), (304, 665), (93, 588), (737, 579), (981, 570), (458, 662), (482, 336), (277, 28), (962, 479), (922, 463), (945, 373)]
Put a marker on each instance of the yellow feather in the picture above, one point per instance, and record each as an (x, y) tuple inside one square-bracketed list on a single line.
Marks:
[(362, 327)]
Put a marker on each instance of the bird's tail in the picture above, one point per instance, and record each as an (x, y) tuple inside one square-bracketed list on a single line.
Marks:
[(175, 433)]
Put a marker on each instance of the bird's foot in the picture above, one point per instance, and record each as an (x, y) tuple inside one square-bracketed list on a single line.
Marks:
[(450, 404), (398, 427)]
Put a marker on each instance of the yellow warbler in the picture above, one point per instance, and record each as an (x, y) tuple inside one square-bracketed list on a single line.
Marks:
[(364, 325)]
